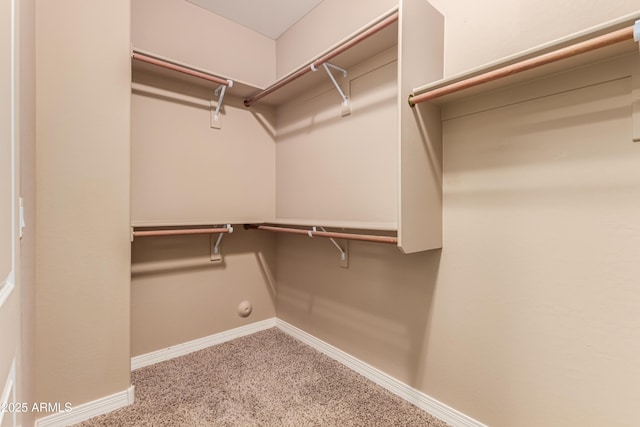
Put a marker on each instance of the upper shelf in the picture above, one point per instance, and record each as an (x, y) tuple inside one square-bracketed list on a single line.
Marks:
[(352, 50), (592, 45), (238, 89), (359, 46), (354, 225)]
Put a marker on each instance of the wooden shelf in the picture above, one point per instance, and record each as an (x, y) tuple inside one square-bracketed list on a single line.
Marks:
[(384, 39), (142, 69), (380, 166), (562, 65), (347, 225)]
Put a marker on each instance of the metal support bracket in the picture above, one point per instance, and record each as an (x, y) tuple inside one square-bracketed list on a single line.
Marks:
[(344, 253), (215, 115), (346, 104), (215, 249)]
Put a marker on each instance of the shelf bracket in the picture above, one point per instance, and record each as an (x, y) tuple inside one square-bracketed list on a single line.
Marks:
[(346, 104), (215, 115), (344, 253), (215, 249)]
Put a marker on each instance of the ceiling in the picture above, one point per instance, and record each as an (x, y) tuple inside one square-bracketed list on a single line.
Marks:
[(268, 17)]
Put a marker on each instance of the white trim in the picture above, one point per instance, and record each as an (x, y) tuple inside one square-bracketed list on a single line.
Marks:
[(6, 287), (14, 147), (9, 391), (408, 393), (635, 98), (199, 344), (88, 410)]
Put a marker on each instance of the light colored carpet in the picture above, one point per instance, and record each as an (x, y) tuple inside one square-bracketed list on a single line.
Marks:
[(264, 379)]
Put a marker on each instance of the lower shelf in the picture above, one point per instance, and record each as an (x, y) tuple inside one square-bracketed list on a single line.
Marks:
[(314, 232)]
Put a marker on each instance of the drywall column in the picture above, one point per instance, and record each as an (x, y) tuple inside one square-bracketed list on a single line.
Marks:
[(27, 137), (82, 248)]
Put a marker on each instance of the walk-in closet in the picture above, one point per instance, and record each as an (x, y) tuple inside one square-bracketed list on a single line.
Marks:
[(320, 212)]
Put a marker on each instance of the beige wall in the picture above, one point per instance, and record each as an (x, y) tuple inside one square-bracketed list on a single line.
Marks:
[(312, 132), (481, 32), (326, 25), (178, 294), (377, 310), (527, 316), (187, 33), (536, 279), (83, 249), (27, 119), (208, 176)]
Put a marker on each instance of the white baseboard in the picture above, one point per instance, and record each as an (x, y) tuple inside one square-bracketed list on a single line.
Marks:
[(110, 403), (408, 393), (88, 410), (199, 344)]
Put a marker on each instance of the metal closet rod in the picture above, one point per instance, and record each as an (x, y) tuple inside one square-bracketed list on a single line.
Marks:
[(328, 234), (180, 231), (150, 59), (527, 64), (384, 22)]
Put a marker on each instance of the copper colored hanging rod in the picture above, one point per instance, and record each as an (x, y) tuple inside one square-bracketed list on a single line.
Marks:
[(385, 22), (328, 234), (180, 68), (180, 232), (556, 55)]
